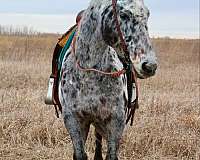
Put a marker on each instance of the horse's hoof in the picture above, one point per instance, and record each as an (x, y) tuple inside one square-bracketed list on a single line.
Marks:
[(84, 157)]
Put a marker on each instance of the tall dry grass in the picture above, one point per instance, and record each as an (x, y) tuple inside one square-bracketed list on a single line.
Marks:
[(166, 126)]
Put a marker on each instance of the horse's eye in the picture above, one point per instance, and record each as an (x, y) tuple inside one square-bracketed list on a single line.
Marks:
[(146, 27), (124, 16)]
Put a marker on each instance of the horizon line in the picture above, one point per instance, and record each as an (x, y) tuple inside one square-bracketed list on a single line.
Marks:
[(43, 23)]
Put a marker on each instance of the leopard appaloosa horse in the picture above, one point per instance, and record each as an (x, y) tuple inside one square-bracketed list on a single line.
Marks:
[(112, 43)]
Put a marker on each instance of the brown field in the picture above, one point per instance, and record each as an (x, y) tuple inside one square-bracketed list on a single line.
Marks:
[(166, 126)]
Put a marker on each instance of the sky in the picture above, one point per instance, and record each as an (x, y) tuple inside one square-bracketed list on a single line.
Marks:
[(173, 18)]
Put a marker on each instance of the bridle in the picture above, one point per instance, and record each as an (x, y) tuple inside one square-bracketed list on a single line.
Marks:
[(128, 69)]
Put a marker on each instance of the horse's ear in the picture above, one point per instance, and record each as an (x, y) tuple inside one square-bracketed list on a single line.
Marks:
[(124, 2), (136, 0), (129, 1)]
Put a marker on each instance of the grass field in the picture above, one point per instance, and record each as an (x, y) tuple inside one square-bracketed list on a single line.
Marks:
[(166, 126)]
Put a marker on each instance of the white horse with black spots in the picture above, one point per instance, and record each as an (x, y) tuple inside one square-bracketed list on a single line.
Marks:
[(95, 98)]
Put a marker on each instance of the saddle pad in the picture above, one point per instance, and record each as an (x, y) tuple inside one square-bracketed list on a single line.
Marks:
[(64, 49), (62, 41)]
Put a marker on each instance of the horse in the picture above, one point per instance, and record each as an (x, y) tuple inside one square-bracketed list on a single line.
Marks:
[(112, 36)]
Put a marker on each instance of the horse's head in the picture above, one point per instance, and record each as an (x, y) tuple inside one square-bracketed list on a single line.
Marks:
[(132, 16)]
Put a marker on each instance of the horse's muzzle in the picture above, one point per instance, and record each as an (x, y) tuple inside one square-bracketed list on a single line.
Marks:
[(149, 68)]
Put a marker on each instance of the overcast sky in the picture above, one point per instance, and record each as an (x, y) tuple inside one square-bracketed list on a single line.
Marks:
[(168, 17)]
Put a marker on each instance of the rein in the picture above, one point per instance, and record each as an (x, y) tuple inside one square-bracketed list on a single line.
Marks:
[(112, 74), (128, 69)]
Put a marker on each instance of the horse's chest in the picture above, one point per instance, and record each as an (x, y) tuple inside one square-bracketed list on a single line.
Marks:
[(97, 95)]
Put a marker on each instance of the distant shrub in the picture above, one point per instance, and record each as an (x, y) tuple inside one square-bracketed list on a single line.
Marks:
[(17, 31)]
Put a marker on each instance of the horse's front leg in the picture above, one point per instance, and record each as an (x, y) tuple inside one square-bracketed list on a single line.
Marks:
[(98, 149), (78, 133), (115, 129)]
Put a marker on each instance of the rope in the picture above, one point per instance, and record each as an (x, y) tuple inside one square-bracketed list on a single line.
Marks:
[(112, 74)]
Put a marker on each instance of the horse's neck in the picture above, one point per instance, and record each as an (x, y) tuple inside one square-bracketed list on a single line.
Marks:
[(90, 53), (91, 49)]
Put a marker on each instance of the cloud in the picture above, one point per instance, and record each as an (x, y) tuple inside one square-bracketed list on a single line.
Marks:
[(42, 23), (178, 18), (175, 25), (42, 6)]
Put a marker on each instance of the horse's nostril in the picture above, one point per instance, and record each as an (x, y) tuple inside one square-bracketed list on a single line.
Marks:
[(149, 67), (145, 67)]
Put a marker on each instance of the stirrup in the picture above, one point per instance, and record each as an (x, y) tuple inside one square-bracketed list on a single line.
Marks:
[(49, 98)]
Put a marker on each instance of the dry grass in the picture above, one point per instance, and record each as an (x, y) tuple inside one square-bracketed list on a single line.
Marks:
[(167, 125)]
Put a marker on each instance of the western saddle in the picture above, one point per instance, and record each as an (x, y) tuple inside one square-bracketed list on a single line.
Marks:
[(52, 93)]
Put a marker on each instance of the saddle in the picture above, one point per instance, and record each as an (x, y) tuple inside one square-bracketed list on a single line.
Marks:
[(62, 46), (60, 50)]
